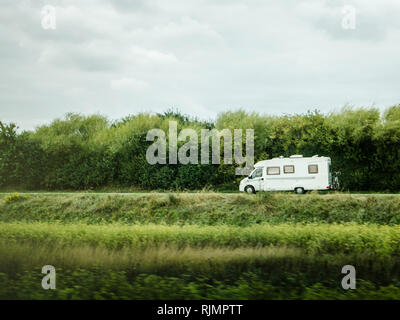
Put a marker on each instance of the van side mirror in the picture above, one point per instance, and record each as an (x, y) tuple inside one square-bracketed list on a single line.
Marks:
[(250, 177)]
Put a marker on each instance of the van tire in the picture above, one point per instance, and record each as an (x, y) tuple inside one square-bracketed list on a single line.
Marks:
[(249, 189), (299, 190)]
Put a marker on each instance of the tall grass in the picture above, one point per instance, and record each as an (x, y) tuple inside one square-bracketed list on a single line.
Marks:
[(313, 238), (226, 264), (199, 246), (201, 208), (166, 258)]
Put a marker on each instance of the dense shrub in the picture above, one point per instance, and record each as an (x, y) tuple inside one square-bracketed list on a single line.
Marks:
[(83, 152)]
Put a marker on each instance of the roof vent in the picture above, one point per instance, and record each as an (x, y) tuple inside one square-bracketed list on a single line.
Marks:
[(315, 156), (297, 156)]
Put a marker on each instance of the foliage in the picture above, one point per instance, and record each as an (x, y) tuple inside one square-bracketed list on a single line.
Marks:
[(14, 198), (84, 152)]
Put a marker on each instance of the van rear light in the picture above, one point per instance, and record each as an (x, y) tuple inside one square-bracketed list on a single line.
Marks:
[(328, 187)]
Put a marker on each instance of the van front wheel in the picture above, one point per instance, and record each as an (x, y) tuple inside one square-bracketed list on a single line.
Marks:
[(299, 190), (249, 189)]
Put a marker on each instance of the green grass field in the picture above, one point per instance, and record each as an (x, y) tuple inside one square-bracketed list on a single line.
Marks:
[(199, 245)]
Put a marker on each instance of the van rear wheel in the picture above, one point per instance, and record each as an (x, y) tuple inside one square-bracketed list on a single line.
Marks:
[(249, 189), (299, 190)]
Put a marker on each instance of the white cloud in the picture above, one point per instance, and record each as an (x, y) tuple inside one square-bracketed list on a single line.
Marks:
[(128, 84), (143, 55), (121, 57)]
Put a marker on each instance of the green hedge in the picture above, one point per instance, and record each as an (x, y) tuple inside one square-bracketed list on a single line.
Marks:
[(83, 152)]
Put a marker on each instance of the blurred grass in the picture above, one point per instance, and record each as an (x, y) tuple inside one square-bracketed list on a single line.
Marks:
[(109, 284), (199, 245), (218, 263), (312, 238)]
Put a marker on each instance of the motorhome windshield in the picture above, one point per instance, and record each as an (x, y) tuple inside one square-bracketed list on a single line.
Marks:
[(256, 173)]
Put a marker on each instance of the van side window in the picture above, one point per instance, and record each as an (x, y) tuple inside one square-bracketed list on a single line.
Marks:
[(312, 168), (273, 170), (288, 169), (257, 173)]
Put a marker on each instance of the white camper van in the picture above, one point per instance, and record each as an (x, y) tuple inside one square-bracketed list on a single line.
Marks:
[(296, 173)]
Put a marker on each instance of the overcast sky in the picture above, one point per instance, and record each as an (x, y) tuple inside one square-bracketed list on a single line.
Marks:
[(201, 57)]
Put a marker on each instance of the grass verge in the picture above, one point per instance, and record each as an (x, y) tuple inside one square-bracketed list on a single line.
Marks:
[(201, 208)]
